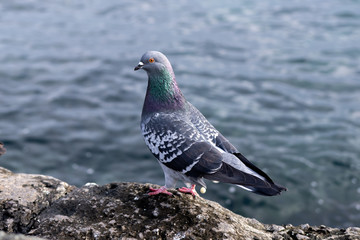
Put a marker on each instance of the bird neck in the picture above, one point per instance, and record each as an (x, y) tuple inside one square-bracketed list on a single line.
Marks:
[(162, 93)]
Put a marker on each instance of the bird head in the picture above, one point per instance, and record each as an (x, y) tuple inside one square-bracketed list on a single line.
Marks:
[(153, 61)]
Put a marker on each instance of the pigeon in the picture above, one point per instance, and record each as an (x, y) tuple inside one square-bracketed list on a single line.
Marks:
[(187, 146), (2, 149)]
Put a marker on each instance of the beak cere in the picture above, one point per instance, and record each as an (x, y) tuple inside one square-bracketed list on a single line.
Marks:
[(139, 66)]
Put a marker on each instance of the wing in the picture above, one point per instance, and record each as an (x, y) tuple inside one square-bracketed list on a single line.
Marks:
[(179, 145), (238, 170), (209, 131)]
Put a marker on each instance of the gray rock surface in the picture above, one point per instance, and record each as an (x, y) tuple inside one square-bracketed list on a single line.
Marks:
[(124, 210), (9, 236), (24, 196), (46, 207)]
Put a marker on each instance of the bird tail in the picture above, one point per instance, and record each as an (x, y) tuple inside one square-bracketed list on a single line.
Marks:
[(2, 149), (260, 184)]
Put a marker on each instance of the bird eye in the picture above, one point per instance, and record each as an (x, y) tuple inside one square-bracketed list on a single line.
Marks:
[(151, 60)]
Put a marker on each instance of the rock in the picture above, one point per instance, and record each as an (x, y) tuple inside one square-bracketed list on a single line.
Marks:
[(124, 210), (46, 207), (313, 232), (24, 196), (7, 236)]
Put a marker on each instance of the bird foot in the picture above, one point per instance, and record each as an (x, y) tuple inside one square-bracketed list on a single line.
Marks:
[(155, 191), (191, 190)]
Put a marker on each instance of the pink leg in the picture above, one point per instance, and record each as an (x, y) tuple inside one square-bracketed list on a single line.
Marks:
[(191, 190), (155, 191)]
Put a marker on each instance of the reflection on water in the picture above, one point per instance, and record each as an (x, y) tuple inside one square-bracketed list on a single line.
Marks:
[(279, 79)]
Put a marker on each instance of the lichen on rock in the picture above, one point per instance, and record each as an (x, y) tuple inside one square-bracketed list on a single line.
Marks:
[(24, 196), (125, 210), (45, 207)]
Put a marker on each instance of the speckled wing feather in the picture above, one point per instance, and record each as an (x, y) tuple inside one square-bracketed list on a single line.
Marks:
[(209, 131), (251, 177), (178, 144)]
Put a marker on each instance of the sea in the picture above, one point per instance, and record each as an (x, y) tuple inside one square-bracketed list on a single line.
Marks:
[(280, 79)]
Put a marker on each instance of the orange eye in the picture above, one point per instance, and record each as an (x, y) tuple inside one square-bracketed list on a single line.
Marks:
[(151, 60)]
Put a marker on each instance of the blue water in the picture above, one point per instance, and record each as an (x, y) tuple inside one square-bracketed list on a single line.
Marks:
[(280, 79)]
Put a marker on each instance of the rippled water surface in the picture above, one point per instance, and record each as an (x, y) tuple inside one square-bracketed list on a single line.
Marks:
[(280, 79)]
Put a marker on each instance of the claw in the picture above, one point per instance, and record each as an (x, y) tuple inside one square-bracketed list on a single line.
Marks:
[(155, 191), (191, 190)]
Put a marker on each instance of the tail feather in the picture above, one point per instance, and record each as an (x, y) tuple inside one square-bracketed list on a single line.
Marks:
[(253, 167), (229, 174)]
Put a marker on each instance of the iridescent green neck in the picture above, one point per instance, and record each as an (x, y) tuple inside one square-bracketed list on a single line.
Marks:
[(161, 86), (162, 93)]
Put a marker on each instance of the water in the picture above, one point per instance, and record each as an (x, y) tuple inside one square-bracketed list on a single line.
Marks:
[(280, 79)]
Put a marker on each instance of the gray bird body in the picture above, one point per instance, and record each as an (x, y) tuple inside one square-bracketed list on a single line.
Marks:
[(186, 145)]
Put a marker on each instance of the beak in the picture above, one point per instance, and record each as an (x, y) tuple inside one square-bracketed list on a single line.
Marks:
[(139, 66)]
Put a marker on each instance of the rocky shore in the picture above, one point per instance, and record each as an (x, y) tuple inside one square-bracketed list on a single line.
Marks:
[(42, 207)]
